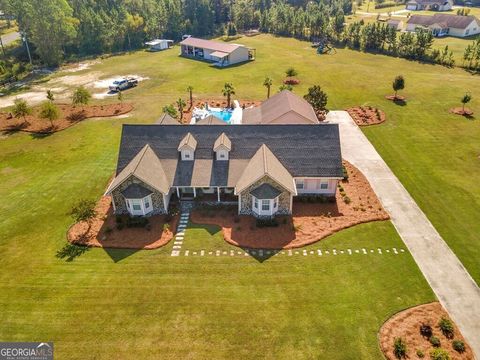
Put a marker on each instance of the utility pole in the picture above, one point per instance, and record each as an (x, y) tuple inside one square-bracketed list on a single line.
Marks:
[(24, 38)]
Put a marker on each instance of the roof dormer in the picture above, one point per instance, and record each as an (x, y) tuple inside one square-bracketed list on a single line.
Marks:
[(222, 147), (187, 147)]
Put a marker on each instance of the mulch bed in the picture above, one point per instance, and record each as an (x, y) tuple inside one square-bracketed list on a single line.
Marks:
[(220, 103), (366, 115), (395, 98), (461, 111), (69, 115), (309, 223), (104, 232), (406, 325)]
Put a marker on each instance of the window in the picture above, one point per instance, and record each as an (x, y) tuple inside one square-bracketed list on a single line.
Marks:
[(136, 205), (255, 202), (265, 205), (300, 184), (324, 185), (222, 155), (275, 203), (186, 155), (147, 203)]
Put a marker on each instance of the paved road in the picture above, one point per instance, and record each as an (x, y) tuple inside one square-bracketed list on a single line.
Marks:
[(10, 37), (450, 281)]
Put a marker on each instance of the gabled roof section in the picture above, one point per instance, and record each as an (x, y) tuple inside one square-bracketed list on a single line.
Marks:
[(224, 141), (210, 120), (211, 45), (444, 20), (146, 167), (166, 119), (189, 141), (265, 163), (265, 191), (278, 105)]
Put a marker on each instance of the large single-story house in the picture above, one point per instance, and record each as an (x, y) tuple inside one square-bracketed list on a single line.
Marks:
[(433, 5), (282, 108), (261, 167), (445, 24), (221, 54)]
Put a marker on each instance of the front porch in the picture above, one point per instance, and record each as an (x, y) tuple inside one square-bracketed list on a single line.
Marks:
[(206, 194)]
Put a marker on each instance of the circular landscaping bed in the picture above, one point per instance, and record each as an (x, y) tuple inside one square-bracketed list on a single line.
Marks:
[(69, 115), (366, 115), (423, 331), (313, 218), (461, 111), (110, 231)]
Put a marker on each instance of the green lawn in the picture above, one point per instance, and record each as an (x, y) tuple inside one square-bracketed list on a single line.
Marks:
[(151, 305)]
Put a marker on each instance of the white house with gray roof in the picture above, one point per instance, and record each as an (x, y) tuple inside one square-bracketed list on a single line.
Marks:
[(262, 168), (445, 24)]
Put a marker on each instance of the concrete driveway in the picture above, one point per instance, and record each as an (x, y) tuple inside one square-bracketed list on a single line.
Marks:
[(453, 285)]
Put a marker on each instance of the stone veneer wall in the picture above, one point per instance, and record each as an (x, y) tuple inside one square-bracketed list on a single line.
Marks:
[(283, 200), (119, 199)]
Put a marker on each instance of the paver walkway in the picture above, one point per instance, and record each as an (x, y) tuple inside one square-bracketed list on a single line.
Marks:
[(450, 281), (179, 236)]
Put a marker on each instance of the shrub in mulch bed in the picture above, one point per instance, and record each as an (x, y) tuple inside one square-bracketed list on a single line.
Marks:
[(366, 115), (426, 331)]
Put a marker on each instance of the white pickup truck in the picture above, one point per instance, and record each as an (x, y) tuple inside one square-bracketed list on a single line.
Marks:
[(123, 84)]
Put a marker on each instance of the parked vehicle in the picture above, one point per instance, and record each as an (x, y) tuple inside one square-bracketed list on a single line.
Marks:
[(123, 84)]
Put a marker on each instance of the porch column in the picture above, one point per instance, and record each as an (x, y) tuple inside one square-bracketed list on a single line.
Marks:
[(113, 204), (218, 193), (194, 192), (178, 192)]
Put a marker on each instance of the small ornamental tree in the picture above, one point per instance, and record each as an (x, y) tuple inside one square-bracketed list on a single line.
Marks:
[(49, 111), (190, 94), (465, 100), (228, 90), (180, 105), (398, 84), (120, 97), (439, 354), (84, 211), (50, 96), (21, 109), (268, 84), (317, 98), (170, 110), (81, 96), (399, 348), (291, 72)]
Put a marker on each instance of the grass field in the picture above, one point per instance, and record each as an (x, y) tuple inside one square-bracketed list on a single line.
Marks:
[(150, 305)]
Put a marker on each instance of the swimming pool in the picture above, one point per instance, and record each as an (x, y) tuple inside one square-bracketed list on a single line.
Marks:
[(224, 115)]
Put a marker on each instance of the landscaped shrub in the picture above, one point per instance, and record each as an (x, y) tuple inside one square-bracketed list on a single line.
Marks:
[(120, 226), (426, 330), (345, 174), (435, 341), (347, 200), (266, 223), (439, 354), (166, 227), (399, 348), (446, 326), (136, 222), (458, 345), (118, 219), (420, 353)]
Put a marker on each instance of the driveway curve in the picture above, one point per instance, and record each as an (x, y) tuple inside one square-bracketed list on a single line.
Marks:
[(450, 281)]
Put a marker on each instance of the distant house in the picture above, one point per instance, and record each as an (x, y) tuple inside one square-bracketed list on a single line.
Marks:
[(159, 44), (433, 5), (395, 24), (282, 108), (445, 24), (221, 54), (260, 168)]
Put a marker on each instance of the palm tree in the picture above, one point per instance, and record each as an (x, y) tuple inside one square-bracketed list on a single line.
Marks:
[(228, 90), (190, 93), (181, 105), (268, 84)]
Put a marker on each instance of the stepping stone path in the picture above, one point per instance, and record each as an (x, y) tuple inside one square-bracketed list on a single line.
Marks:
[(179, 236), (304, 252)]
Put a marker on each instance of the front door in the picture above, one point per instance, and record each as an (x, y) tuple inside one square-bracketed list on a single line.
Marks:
[(186, 192)]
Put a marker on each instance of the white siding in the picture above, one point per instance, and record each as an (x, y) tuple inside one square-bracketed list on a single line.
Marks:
[(238, 55), (313, 186)]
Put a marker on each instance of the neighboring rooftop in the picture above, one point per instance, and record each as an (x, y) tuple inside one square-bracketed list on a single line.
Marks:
[(210, 120), (166, 119), (303, 150), (211, 45), (448, 20), (277, 106)]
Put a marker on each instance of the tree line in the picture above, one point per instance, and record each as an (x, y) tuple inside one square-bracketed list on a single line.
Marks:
[(61, 28)]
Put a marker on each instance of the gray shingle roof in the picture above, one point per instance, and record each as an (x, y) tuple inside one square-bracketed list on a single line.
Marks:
[(304, 150), (451, 21), (210, 120), (166, 119), (265, 191), (136, 191)]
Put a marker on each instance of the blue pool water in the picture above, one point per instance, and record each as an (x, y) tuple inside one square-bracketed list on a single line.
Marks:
[(224, 115)]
